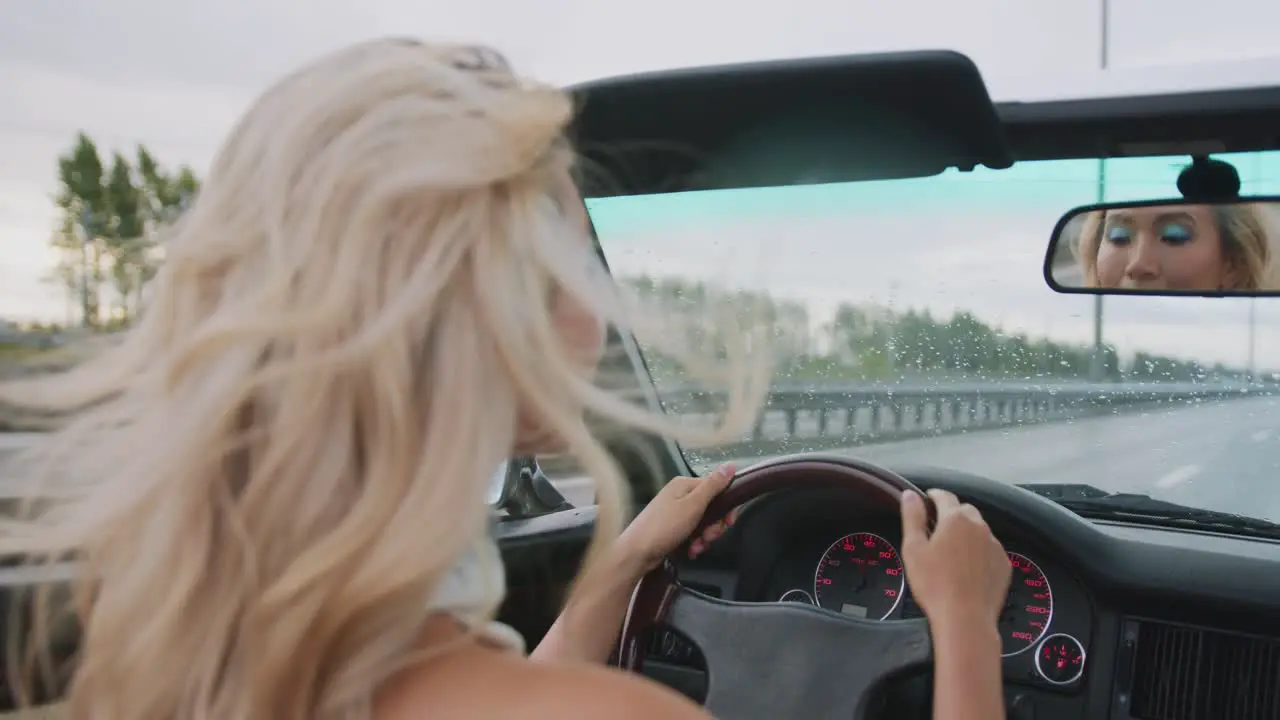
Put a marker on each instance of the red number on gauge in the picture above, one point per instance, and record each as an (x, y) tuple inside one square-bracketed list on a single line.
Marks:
[(1028, 609), (860, 575)]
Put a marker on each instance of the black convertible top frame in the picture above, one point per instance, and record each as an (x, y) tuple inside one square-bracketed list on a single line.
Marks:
[(876, 116)]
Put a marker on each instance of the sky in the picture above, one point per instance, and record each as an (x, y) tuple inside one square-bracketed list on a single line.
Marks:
[(971, 242), (176, 74)]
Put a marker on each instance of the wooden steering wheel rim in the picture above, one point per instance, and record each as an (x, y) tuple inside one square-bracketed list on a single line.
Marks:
[(870, 483)]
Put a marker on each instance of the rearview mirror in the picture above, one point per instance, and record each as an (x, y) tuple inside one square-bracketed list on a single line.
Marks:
[(1167, 247)]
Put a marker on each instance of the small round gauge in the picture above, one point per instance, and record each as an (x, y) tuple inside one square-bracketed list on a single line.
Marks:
[(1028, 607), (860, 575), (798, 596), (1060, 659)]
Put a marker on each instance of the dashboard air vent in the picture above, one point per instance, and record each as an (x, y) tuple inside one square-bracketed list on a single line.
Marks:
[(1189, 673)]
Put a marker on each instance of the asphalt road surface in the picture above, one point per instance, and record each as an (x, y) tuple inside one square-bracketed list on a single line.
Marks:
[(1222, 456)]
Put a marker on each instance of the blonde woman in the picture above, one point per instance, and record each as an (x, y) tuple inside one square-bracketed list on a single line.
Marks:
[(277, 490), (1177, 247)]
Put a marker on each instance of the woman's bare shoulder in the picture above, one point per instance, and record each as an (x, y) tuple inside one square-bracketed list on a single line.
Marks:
[(489, 683)]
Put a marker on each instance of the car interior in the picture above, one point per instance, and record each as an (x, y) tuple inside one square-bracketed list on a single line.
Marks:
[(1128, 616), (1110, 616)]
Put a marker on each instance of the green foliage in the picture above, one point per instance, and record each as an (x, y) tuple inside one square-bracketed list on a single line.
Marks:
[(874, 344), (888, 345), (107, 226)]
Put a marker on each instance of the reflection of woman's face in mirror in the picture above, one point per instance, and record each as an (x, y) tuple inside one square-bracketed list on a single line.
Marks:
[(1167, 247)]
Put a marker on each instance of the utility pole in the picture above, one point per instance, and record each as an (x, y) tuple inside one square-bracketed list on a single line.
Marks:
[(1253, 326), (1104, 56), (1096, 368)]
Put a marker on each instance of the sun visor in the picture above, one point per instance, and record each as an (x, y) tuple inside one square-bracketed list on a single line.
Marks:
[(834, 119)]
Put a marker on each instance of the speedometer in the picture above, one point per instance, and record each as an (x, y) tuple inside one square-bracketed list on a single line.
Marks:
[(860, 575), (1028, 608)]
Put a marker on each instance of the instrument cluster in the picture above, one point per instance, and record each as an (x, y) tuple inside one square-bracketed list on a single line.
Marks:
[(861, 574)]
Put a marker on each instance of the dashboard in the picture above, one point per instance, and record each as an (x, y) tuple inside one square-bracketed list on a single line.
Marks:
[(1102, 619), (851, 564)]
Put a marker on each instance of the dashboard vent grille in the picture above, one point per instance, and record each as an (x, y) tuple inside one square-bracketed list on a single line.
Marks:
[(1187, 673)]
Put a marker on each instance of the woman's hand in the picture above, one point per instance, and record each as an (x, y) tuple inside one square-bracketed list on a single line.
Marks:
[(960, 573), (671, 517), (588, 627), (959, 576)]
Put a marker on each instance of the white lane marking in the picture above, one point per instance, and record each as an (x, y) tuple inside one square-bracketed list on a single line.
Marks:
[(1178, 476), (1260, 435)]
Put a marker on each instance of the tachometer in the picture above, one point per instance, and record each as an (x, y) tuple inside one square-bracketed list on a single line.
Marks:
[(1028, 608), (861, 575)]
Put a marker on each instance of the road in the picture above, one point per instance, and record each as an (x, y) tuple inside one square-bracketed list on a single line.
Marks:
[(1222, 456)]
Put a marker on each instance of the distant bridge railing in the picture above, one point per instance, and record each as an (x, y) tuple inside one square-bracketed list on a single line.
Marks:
[(824, 416)]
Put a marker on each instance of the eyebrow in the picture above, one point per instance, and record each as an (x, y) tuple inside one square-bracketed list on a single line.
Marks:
[(1162, 217)]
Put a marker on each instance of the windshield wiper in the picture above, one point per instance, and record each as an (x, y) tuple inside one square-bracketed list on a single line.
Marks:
[(1090, 501)]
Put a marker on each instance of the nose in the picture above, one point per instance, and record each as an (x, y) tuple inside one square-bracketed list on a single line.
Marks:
[(1144, 263)]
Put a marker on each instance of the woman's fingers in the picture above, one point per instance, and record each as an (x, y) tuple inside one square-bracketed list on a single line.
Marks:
[(712, 533), (944, 501), (715, 482), (680, 486), (915, 520), (697, 547), (972, 513)]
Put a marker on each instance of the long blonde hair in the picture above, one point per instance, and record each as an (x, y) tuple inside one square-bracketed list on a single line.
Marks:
[(264, 480)]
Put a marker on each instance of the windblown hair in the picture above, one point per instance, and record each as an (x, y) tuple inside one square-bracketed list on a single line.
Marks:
[(265, 479)]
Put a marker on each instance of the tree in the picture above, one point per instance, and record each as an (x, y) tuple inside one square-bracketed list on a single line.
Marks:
[(164, 197), (786, 322), (187, 185), (82, 199), (108, 225), (126, 240)]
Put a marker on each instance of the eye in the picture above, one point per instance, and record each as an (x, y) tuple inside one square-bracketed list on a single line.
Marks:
[(1176, 233), (1118, 235)]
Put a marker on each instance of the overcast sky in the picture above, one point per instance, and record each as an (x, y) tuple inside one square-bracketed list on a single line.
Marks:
[(961, 241), (175, 74)]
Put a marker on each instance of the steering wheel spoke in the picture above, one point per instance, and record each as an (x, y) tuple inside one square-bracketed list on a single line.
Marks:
[(771, 660)]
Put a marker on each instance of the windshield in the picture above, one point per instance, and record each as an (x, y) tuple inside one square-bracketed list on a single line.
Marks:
[(919, 331)]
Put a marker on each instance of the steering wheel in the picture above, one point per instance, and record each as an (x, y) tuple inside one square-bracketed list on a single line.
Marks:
[(782, 659)]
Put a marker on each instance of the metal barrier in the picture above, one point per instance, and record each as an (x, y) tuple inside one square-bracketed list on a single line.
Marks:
[(800, 418), (810, 418)]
